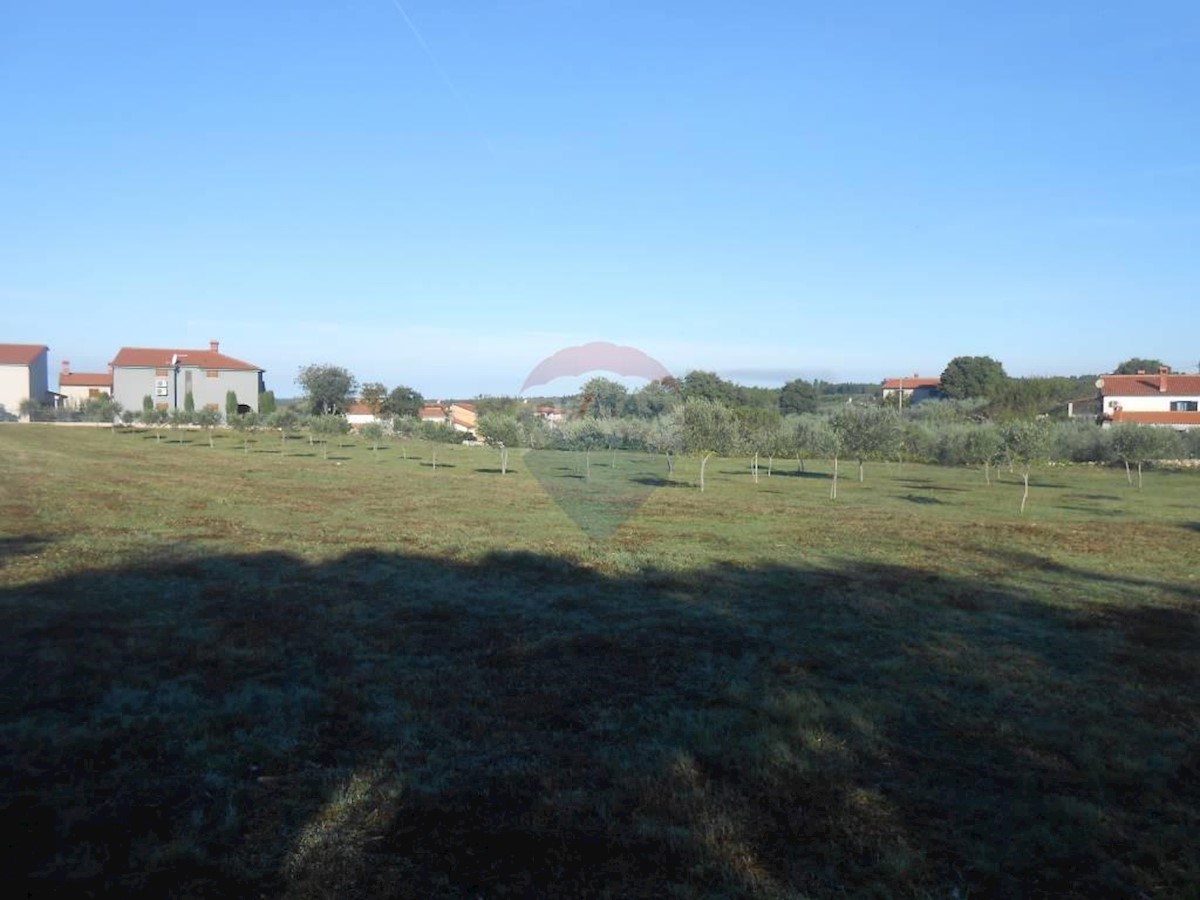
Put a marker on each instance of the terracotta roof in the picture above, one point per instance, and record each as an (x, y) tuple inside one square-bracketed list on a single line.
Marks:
[(85, 379), (156, 358), (359, 409), (1156, 417), (469, 406), (896, 384), (20, 354), (431, 412), (1148, 385)]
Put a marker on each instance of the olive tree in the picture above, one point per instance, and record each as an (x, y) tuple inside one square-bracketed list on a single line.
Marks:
[(867, 432), (1026, 441)]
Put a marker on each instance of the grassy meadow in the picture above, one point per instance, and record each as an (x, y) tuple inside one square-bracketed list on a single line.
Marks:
[(258, 672)]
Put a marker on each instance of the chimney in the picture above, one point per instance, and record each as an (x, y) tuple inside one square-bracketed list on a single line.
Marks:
[(1163, 372), (66, 367), (214, 346)]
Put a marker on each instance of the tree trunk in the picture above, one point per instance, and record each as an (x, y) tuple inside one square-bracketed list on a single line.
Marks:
[(1025, 496), (1139, 474), (612, 463), (503, 460), (754, 468), (860, 471), (770, 464), (435, 458), (1128, 475), (833, 485), (703, 463), (987, 474), (670, 464), (587, 464), (325, 449), (210, 440)]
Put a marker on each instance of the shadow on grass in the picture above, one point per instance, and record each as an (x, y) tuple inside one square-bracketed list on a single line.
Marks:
[(20, 545), (1192, 526), (496, 471), (792, 473), (394, 725), (655, 481), (921, 499), (441, 465), (928, 484)]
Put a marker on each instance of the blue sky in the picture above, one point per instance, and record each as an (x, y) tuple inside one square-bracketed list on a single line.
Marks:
[(766, 189)]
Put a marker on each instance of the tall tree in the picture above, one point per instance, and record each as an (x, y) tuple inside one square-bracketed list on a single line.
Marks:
[(328, 389), (374, 396), (973, 376), (1136, 364), (797, 397), (603, 397), (403, 401)]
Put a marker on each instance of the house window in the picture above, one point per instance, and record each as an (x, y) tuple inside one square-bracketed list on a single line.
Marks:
[(213, 373), (1185, 406)]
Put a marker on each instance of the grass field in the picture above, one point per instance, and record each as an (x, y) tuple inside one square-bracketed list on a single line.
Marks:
[(264, 673)]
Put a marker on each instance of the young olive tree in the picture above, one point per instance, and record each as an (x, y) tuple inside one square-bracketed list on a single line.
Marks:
[(502, 431), (208, 419), (983, 446), (1026, 442), (1141, 444), (867, 432), (373, 432)]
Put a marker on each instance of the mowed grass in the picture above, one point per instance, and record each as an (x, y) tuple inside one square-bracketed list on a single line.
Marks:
[(270, 674)]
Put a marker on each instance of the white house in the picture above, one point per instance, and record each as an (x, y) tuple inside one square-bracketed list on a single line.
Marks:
[(23, 376), (1163, 398), (912, 389), (77, 388)]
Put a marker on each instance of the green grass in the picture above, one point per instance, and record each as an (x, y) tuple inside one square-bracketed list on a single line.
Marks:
[(267, 674)]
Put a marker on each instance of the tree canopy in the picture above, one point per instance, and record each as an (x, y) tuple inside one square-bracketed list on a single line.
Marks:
[(327, 388), (404, 401), (973, 376), (798, 396), (1136, 364)]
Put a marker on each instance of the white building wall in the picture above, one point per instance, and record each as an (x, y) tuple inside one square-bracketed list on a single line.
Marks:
[(14, 388), (1154, 403)]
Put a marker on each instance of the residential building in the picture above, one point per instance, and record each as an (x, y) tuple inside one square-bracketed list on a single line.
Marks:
[(23, 376), (167, 376), (1163, 398), (77, 388), (462, 416), (911, 389)]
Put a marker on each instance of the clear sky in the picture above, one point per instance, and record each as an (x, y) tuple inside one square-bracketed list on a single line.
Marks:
[(440, 193)]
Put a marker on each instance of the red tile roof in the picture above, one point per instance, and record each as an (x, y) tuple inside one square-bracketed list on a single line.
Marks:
[(1148, 385), (432, 412), (1156, 418), (896, 384), (155, 358), (85, 379), (359, 409), (20, 354)]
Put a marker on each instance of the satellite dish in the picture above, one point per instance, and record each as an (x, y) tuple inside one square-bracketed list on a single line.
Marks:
[(1100, 383)]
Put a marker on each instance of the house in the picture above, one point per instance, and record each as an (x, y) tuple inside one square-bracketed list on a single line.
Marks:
[(912, 389), (77, 388), (23, 376), (169, 375), (552, 414), (432, 412), (1164, 398), (462, 417), (359, 414)]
